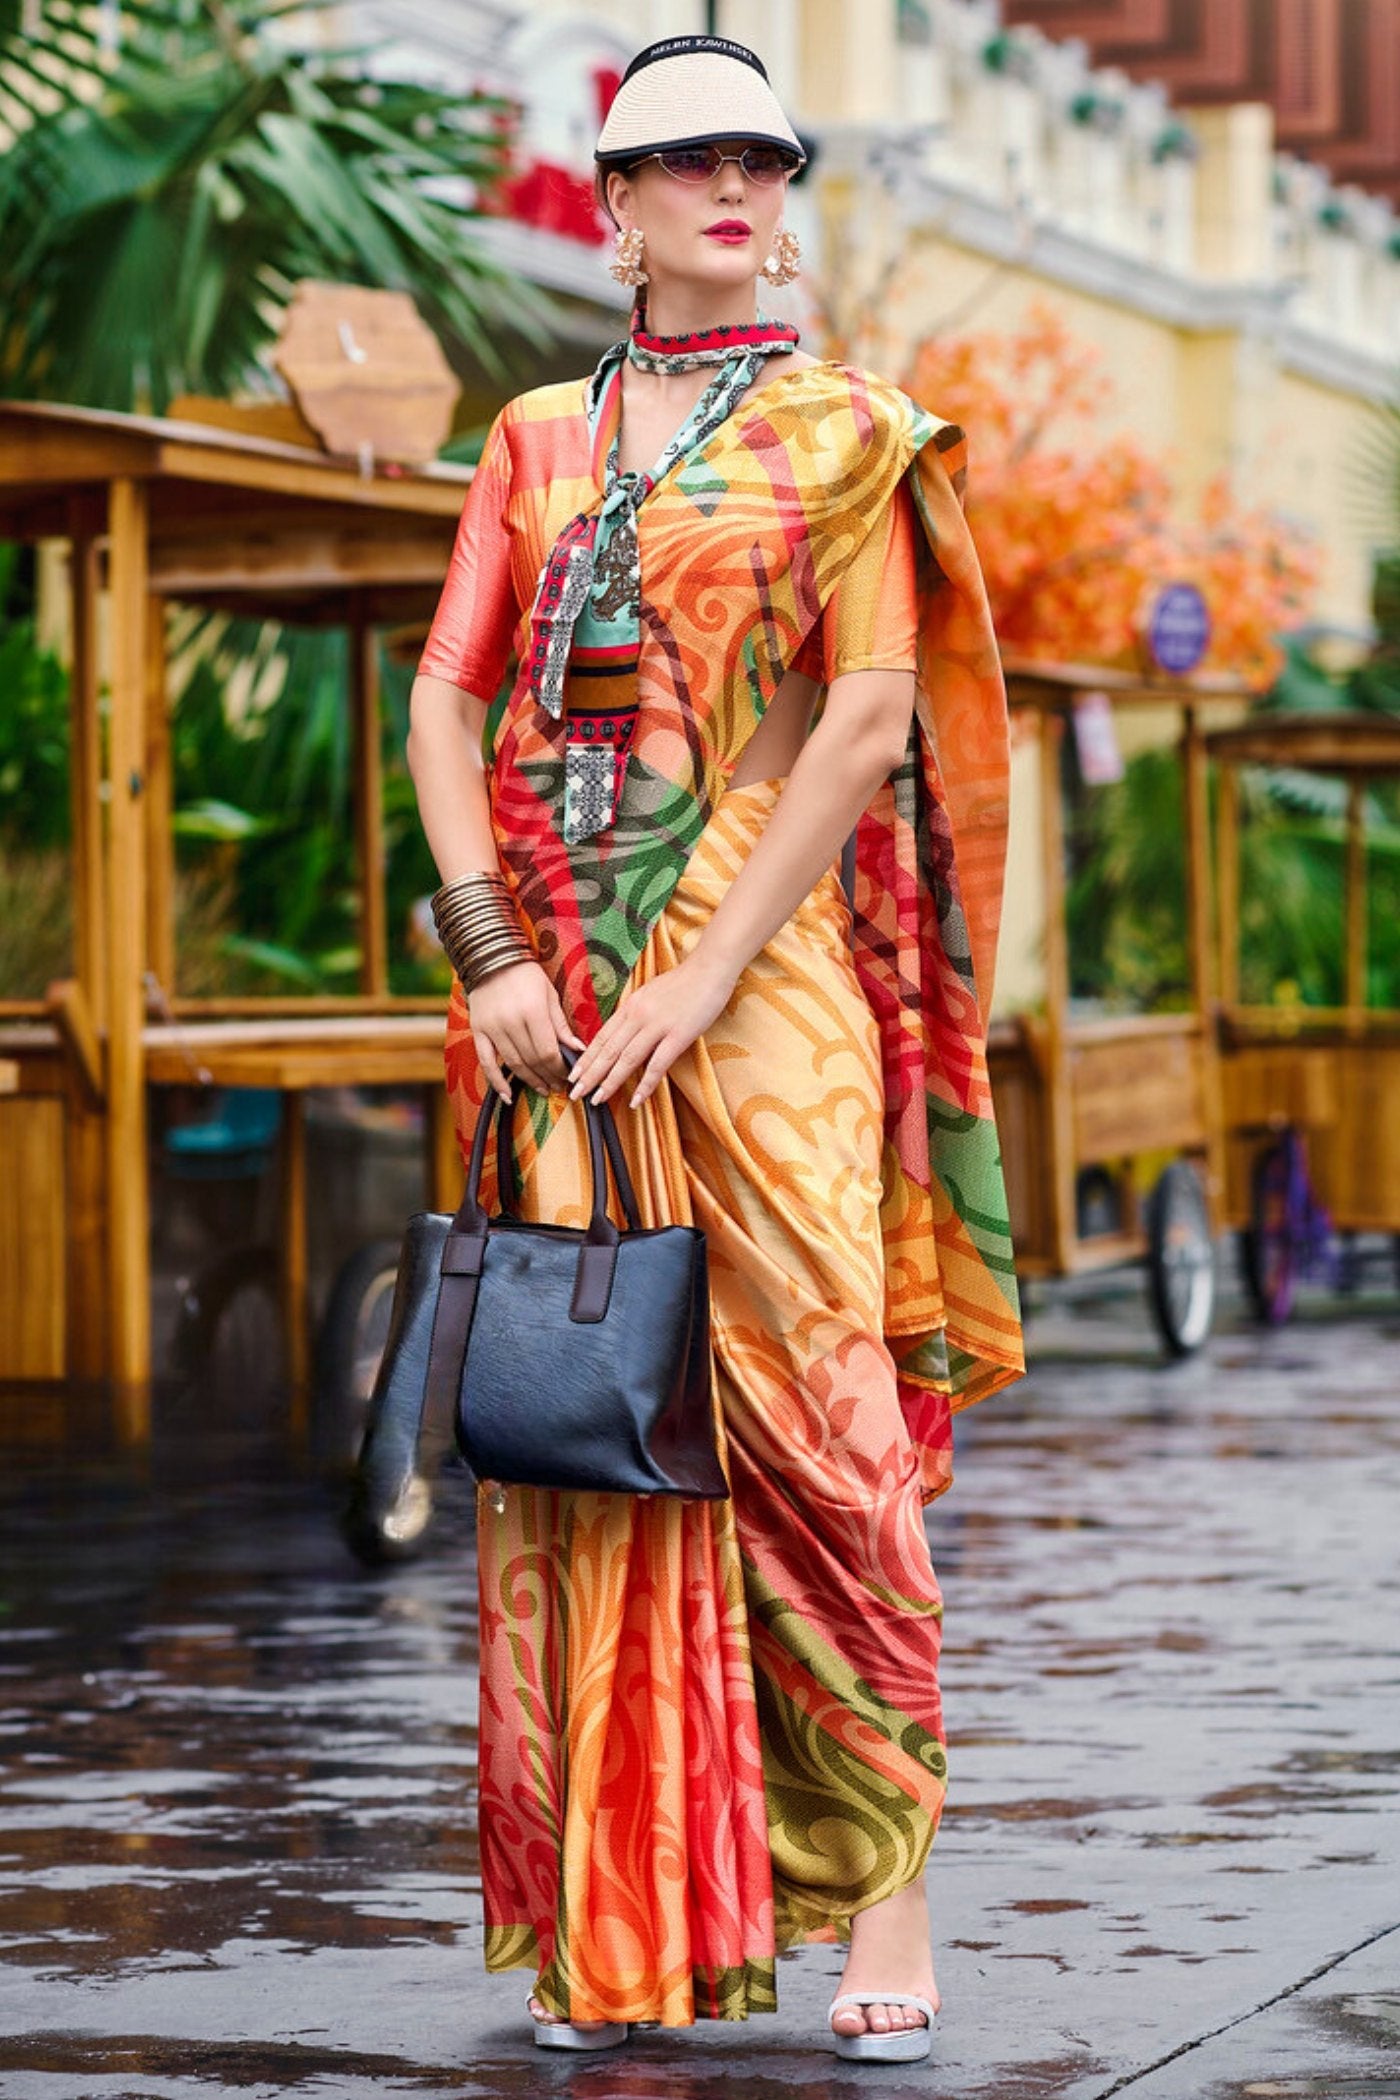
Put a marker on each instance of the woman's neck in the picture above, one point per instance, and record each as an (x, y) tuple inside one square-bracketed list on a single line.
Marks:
[(684, 309)]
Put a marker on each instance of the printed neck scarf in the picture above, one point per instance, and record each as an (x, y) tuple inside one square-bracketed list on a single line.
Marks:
[(705, 346), (597, 555)]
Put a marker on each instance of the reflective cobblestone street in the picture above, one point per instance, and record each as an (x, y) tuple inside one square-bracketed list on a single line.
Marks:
[(236, 1773)]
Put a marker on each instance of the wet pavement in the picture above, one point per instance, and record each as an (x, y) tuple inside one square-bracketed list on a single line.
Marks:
[(236, 1773)]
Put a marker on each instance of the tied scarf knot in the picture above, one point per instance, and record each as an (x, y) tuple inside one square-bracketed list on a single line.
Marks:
[(568, 577), (597, 556)]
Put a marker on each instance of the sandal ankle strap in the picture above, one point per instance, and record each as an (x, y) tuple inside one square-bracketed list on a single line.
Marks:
[(864, 1998)]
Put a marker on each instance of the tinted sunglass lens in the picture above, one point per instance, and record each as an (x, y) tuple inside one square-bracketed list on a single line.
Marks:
[(691, 163), (699, 163), (766, 163)]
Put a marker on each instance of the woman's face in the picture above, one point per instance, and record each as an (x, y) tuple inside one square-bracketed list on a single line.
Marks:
[(679, 220)]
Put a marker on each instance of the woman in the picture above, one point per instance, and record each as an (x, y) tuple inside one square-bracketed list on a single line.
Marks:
[(712, 1730)]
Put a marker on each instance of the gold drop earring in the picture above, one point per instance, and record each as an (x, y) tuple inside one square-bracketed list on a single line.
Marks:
[(626, 265), (783, 264)]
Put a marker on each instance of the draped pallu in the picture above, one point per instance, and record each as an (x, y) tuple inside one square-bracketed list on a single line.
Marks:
[(709, 1731)]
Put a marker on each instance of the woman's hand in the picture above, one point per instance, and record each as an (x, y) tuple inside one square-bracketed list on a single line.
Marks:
[(517, 1020), (650, 1029)]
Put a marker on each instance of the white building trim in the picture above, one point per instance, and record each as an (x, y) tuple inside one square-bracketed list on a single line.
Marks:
[(928, 202)]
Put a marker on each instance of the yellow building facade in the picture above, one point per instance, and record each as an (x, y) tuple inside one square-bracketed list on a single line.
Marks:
[(1246, 310)]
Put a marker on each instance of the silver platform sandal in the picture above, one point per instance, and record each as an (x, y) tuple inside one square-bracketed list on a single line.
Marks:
[(563, 2034), (908, 2045)]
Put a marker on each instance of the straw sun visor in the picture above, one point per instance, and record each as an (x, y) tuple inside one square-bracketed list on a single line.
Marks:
[(671, 84)]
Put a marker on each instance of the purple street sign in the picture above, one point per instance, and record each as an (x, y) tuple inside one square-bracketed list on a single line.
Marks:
[(1178, 628)]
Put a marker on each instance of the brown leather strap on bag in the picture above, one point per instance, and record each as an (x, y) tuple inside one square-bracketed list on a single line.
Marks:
[(462, 1257)]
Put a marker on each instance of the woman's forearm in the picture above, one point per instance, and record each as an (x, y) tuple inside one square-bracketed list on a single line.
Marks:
[(444, 757), (856, 745)]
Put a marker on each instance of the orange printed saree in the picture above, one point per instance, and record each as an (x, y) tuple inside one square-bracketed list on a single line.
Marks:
[(709, 1731)]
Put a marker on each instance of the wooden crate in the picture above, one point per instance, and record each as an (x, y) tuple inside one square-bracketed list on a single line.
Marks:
[(1138, 1088), (1345, 1097)]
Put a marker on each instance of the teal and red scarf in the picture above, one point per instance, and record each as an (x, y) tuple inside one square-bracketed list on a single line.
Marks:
[(586, 618)]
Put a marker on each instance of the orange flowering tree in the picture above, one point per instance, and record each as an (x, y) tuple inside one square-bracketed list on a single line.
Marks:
[(1077, 529)]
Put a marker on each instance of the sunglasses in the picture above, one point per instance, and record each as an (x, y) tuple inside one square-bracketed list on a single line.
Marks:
[(699, 163)]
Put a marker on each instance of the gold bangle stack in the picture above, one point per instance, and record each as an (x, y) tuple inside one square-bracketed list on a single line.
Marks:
[(478, 927)]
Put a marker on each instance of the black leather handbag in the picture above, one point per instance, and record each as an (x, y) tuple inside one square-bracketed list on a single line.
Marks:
[(557, 1356)]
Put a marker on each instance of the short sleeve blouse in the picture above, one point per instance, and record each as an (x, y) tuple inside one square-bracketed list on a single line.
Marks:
[(469, 643), (871, 620)]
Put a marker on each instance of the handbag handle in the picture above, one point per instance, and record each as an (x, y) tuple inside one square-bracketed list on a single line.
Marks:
[(464, 1249), (508, 1180), (604, 1150)]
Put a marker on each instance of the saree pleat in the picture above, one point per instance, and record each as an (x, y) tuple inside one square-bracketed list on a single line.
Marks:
[(711, 1730)]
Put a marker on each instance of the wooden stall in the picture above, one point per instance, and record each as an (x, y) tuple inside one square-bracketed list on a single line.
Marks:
[(154, 511), (1118, 1117), (1332, 1074)]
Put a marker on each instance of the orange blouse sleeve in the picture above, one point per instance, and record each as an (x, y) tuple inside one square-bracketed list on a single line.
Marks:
[(469, 642), (871, 620)]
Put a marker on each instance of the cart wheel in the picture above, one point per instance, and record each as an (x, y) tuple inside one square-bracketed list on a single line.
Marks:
[(229, 1336), (1180, 1259), (348, 1348), (1270, 1252)]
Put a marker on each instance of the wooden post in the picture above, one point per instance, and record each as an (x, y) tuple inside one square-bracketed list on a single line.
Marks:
[(160, 805), (1197, 814), (369, 802), (88, 1348), (292, 1255), (1058, 1078), (1196, 794), (1355, 994), (128, 1262), (85, 781), (88, 1352), (1227, 880)]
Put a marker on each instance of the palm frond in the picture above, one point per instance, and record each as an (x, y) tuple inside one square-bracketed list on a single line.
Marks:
[(155, 218)]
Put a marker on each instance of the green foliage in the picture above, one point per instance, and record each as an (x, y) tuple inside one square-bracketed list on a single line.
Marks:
[(158, 203), (157, 208), (33, 724), (1127, 893), (1126, 896), (410, 871), (264, 815), (1292, 897), (1376, 683), (36, 883), (36, 920), (55, 70), (1127, 890)]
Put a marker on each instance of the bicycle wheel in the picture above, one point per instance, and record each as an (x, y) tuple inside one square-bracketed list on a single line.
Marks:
[(1180, 1259), (348, 1348), (1271, 1253)]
